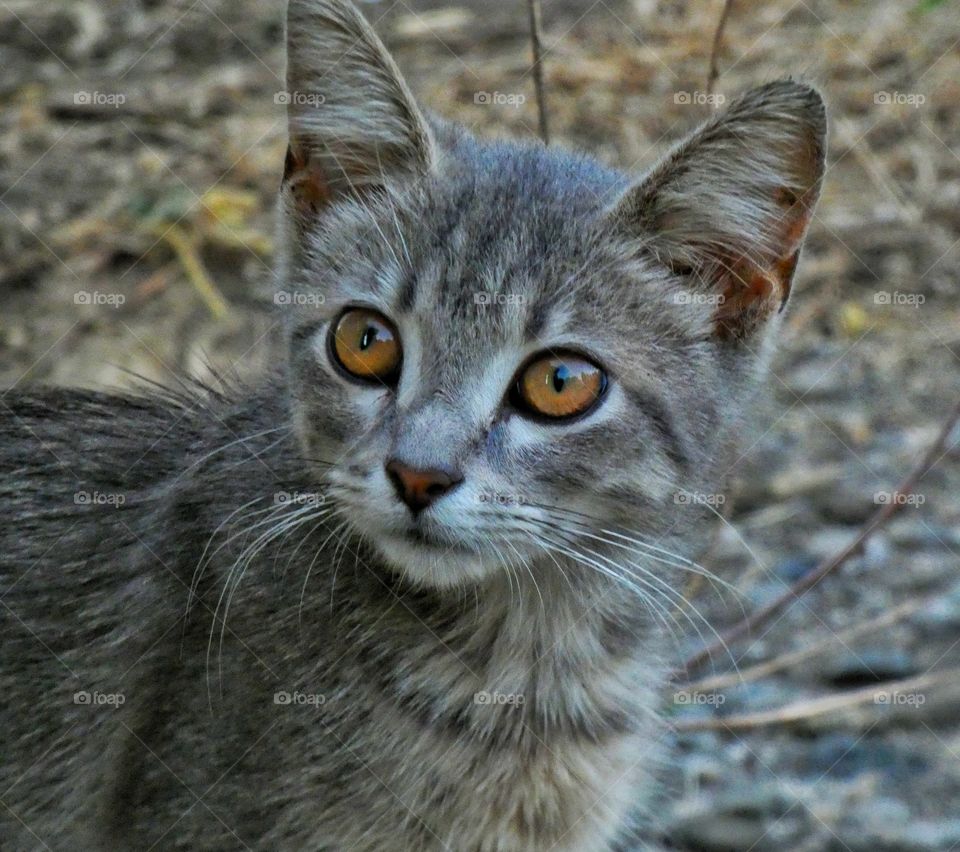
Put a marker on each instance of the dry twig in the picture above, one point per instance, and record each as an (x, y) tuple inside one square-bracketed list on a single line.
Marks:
[(714, 72), (881, 695), (784, 661), (763, 615), (535, 29)]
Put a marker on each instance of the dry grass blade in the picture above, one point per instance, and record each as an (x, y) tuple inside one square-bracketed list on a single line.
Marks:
[(186, 253)]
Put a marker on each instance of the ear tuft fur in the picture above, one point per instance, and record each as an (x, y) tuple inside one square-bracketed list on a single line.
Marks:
[(353, 122), (730, 205)]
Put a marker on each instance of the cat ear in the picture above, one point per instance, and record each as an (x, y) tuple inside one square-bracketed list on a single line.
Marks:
[(353, 123), (729, 207)]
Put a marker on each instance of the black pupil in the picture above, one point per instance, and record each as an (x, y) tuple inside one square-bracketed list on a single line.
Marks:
[(368, 338), (560, 376)]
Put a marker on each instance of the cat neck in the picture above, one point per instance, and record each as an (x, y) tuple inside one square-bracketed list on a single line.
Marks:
[(550, 639)]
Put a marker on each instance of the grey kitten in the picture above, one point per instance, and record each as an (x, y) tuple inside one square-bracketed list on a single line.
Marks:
[(414, 592)]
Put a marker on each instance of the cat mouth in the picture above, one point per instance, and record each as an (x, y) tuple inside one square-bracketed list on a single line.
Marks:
[(432, 557), (422, 538)]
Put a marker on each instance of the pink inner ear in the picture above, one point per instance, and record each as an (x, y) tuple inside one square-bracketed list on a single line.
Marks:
[(797, 212), (310, 189), (751, 293)]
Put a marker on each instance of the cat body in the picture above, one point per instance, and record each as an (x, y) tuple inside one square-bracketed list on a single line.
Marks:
[(416, 589), (328, 721)]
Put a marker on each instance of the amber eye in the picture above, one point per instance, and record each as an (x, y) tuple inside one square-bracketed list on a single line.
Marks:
[(367, 346), (559, 386)]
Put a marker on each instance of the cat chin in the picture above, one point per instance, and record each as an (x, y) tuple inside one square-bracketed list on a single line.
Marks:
[(433, 566)]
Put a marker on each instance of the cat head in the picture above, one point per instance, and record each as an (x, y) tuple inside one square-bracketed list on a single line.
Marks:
[(498, 349)]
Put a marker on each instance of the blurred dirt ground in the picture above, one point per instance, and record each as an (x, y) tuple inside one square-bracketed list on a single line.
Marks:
[(140, 148)]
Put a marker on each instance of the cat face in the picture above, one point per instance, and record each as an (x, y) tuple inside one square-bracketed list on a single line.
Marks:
[(496, 349), (487, 331)]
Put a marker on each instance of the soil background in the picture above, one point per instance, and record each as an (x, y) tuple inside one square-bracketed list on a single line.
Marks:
[(141, 145)]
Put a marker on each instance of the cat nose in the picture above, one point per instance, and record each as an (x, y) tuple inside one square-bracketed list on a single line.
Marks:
[(420, 488)]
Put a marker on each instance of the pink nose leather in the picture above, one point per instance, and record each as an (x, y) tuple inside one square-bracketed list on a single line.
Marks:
[(420, 488)]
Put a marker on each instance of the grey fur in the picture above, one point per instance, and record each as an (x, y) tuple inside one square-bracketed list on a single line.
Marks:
[(258, 548)]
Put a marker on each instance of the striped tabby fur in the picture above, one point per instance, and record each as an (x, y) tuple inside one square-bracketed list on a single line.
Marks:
[(258, 646)]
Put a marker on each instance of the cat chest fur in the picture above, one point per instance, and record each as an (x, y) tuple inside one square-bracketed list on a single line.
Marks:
[(506, 732)]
